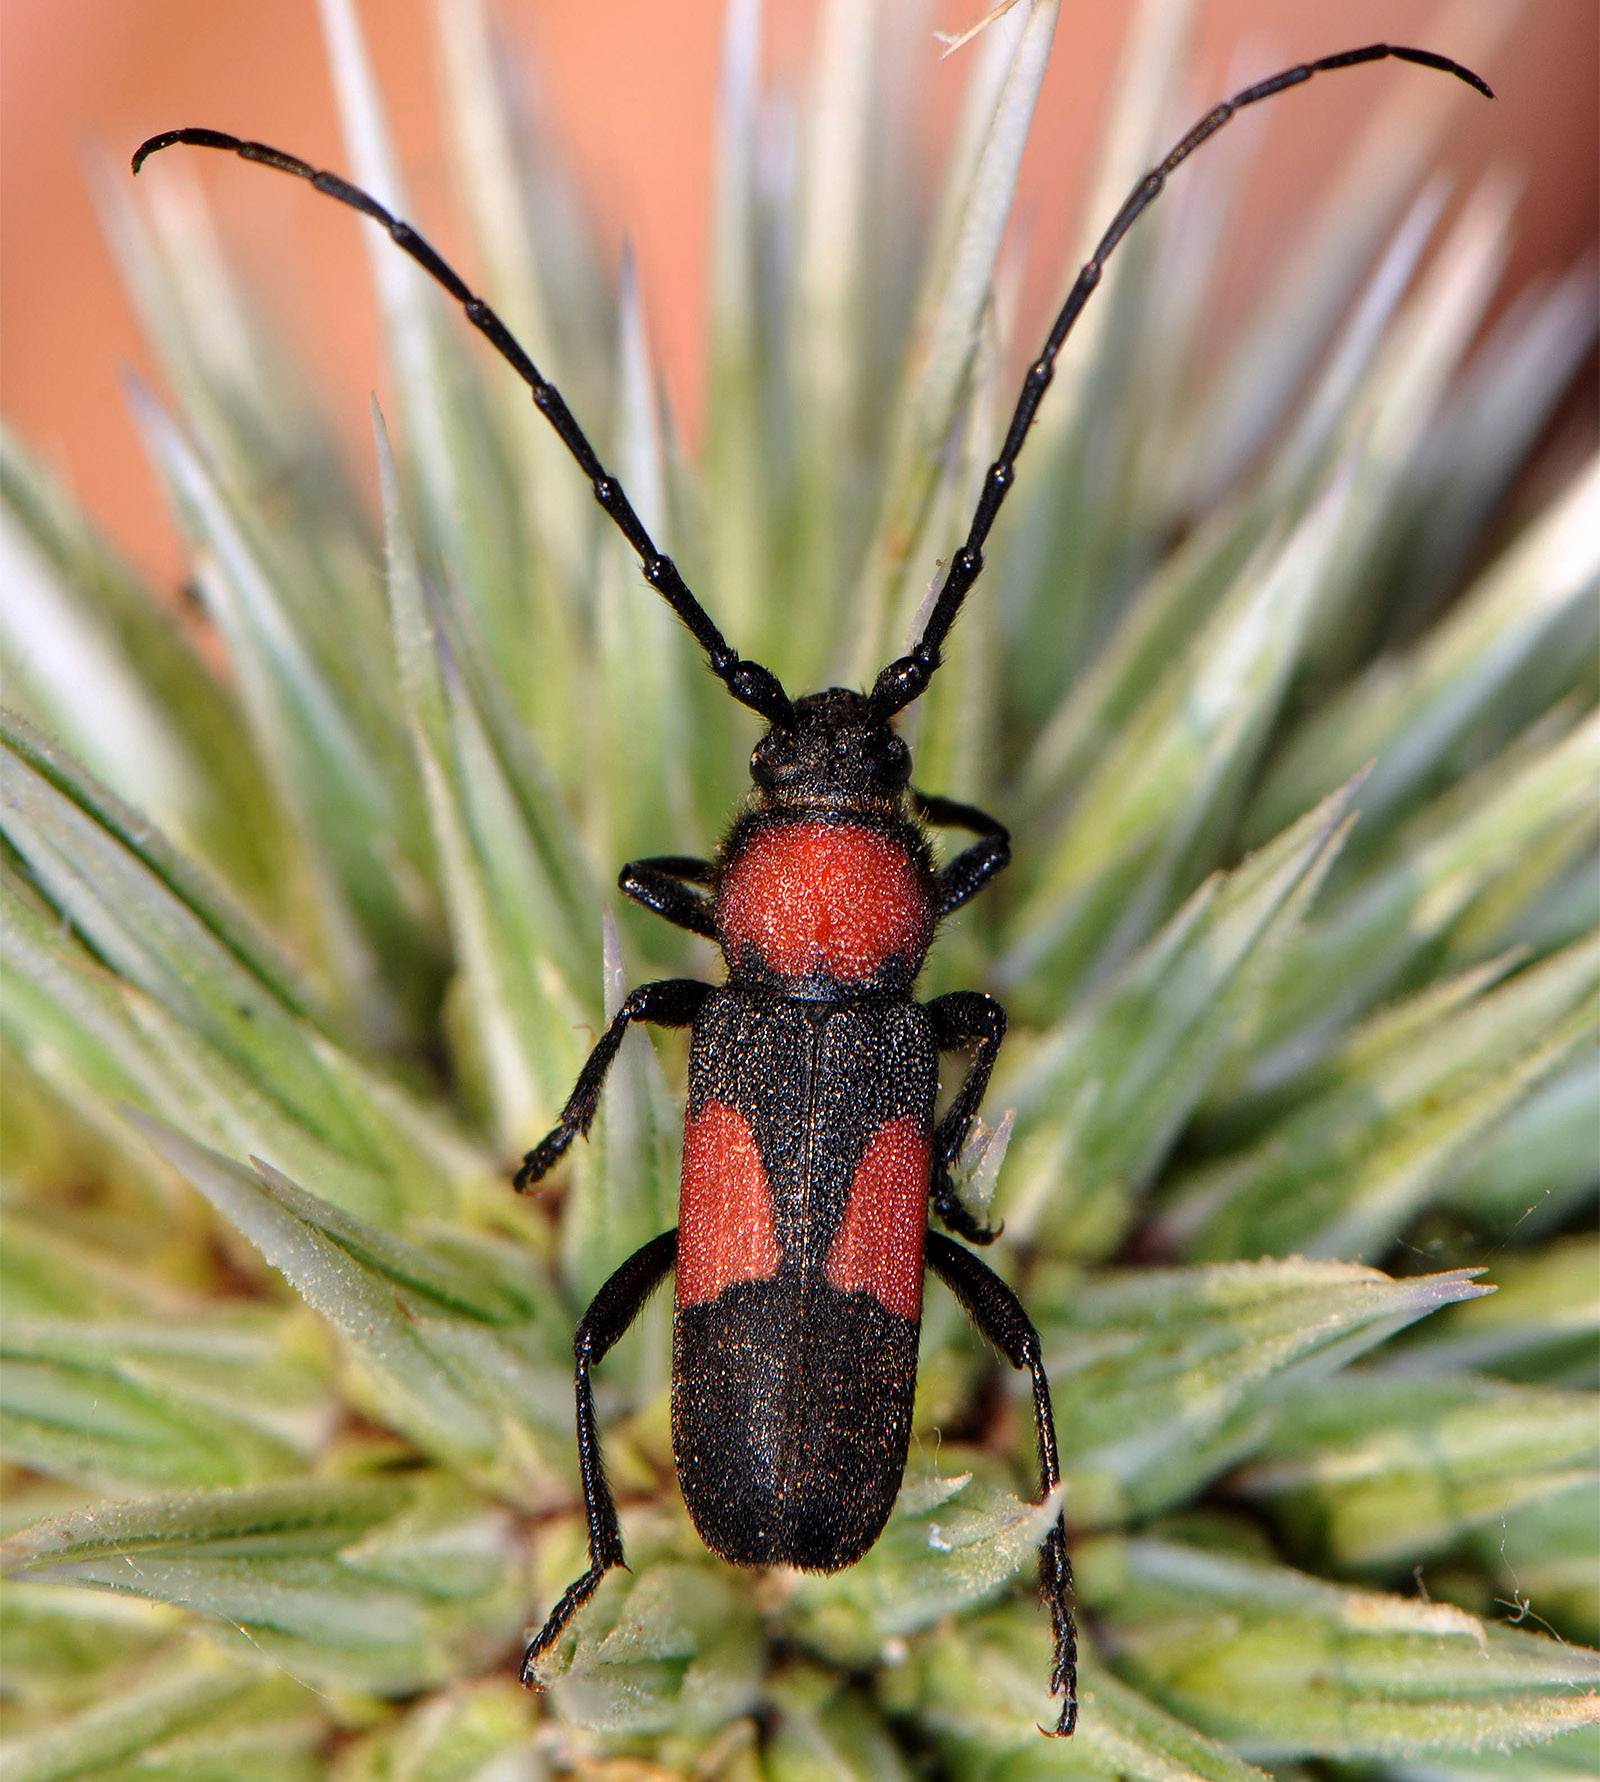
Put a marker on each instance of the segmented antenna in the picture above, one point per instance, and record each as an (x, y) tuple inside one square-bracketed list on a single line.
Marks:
[(748, 682), (907, 677)]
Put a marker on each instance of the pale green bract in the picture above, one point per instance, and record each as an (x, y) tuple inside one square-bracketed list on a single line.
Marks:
[(1293, 715)]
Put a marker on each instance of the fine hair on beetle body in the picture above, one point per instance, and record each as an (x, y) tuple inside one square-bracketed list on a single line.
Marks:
[(813, 1151)]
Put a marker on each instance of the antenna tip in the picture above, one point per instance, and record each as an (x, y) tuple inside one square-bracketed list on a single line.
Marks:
[(153, 145), (1445, 65)]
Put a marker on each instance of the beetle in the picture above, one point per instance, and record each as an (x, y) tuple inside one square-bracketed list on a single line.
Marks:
[(812, 1149)]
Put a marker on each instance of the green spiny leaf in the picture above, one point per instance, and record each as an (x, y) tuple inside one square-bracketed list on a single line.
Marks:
[(1128, 1069), (1377, 1471), (1540, 1324), (457, 1388), (502, 891), (218, 1401), (1468, 844), (181, 1721), (367, 1584), (1144, 815), (1401, 1105), (1416, 715), (1165, 1378), (1286, 1665)]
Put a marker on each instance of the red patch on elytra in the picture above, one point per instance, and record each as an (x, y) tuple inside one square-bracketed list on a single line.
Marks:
[(879, 1245), (835, 898), (725, 1231)]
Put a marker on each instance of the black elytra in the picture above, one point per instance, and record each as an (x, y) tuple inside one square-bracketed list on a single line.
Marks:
[(812, 1152)]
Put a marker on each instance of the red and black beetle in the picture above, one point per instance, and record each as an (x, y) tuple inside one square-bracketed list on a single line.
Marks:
[(812, 1152)]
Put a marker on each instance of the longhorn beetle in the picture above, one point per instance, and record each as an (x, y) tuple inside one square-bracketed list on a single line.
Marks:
[(811, 1151)]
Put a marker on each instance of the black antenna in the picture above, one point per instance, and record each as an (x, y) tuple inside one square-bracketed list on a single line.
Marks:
[(907, 677), (748, 682)]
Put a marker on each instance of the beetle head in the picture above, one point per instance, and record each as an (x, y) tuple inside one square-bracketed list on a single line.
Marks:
[(838, 751)]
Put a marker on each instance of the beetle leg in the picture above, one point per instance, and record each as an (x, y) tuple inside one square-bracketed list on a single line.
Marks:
[(960, 1019), (659, 885), (610, 1313), (674, 1002), (973, 867), (999, 1316)]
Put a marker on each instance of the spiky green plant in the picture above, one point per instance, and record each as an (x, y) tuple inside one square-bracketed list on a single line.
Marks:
[(290, 1450)]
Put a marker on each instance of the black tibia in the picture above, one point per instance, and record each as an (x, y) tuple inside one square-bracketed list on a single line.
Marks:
[(999, 1316), (950, 813), (963, 1018), (613, 1309), (748, 682), (659, 884), (674, 1002), (906, 678), (973, 868)]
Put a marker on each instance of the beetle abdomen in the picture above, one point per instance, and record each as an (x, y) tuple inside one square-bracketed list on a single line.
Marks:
[(801, 1230), (791, 1413)]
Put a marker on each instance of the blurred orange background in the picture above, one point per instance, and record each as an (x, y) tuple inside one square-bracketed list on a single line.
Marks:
[(631, 86)]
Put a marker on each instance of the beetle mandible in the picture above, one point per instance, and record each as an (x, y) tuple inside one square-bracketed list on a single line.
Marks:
[(812, 1153)]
